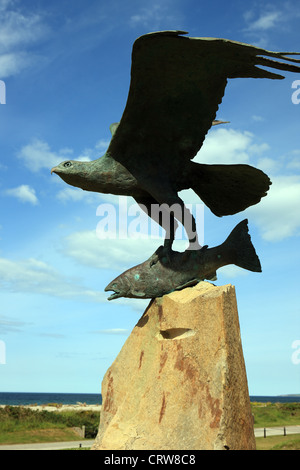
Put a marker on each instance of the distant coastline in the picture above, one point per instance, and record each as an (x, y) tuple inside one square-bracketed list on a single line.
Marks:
[(297, 396), (83, 399)]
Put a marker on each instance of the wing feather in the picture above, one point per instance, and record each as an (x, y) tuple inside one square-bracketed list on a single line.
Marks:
[(177, 84)]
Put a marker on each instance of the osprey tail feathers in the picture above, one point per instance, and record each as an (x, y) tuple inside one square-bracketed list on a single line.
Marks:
[(228, 189)]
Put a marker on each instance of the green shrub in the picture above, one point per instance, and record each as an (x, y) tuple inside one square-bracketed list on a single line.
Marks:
[(276, 414), (14, 418)]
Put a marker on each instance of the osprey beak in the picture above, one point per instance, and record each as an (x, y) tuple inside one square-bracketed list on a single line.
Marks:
[(53, 170)]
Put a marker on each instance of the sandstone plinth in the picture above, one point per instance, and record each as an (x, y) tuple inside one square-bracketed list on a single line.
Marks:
[(179, 381)]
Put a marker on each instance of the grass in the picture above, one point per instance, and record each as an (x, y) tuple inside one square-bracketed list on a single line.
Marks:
[(275, 414), (36, 436), (19, 425), (290, 442), (23, 425)]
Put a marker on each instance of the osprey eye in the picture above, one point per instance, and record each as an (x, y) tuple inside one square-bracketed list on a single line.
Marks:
[(67, 164)]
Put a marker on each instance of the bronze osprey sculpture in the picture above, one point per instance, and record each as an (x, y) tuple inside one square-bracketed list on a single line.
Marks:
[(177, 85)]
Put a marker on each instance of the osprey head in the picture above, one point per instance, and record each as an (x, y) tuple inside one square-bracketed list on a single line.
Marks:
[(73, 172)]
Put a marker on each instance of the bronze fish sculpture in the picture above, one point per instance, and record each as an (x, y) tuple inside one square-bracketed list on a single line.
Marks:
[(160, 275)]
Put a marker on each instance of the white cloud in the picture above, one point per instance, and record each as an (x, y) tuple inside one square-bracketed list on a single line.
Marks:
[(38, 155), (146, 15), (258, 118), (5, 3), (268, 165), (122, 233), (90, 197), (232, 271), (13, 63), (18, 28), (110, 253), (258, 149), (294, 160), (278, 215), (37, 277), (266, 18), (153, 15), (113, 331), (8, 325), (265, 21), (24, 193), (34, 276), (76, 195), (95, 152), (229, 146), (225, 146)]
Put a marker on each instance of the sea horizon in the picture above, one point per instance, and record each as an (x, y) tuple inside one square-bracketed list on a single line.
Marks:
[(70, 398), (43, 398)]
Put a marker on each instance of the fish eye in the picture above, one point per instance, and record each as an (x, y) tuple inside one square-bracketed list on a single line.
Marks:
[(67, 164)]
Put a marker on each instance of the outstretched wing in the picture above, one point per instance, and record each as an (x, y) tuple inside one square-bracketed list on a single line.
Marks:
[(177, 84)]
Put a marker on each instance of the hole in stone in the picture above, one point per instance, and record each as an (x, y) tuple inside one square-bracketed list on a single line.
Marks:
[(176, 333)]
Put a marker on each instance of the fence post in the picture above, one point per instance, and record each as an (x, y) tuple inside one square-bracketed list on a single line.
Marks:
[(265, 432), (284, 431)]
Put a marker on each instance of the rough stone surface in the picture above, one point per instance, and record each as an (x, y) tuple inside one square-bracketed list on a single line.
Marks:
[(179, 381)]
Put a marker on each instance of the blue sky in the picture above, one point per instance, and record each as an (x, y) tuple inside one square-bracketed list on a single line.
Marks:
[(66, 67)]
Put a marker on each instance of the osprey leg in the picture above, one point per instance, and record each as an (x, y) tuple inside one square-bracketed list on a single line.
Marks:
[(161, 216), (172, 206)]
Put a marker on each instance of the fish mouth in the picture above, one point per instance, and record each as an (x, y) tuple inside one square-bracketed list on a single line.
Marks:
[(116, 294)]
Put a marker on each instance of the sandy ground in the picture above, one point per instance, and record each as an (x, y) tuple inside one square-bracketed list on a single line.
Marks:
[(77, 407)]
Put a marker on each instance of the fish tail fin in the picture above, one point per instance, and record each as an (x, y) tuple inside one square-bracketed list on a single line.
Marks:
[(239, 243), (228, 189)]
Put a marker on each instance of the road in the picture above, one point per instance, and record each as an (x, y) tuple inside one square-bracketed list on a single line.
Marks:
[(278, 431), (259, 432), (49, 445)]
